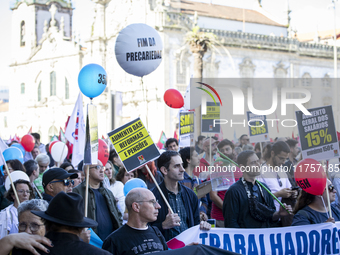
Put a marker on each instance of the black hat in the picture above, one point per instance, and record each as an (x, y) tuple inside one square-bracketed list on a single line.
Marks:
[(67, 209), (56, 173)]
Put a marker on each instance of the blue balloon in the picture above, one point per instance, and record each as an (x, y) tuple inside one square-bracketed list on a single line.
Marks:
[(134, 183), (92, 80), (13, 153), (20, 147)]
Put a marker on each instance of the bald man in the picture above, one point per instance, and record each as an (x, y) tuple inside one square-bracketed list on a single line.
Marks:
[(136, 237)]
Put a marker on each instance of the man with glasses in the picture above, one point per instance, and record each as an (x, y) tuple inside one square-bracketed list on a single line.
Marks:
[(244, 140), (136, 237), (275, 176), (102, 205), (56, 180), (239, 209)]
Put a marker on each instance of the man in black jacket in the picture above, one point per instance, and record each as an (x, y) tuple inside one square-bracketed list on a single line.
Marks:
[(182, 200)]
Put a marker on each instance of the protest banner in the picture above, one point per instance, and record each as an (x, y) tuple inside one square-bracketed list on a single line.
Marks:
[(258, 128), (186, 129), (308, 239), (318, 134), (213, 112), (91, 142), (133, 144)]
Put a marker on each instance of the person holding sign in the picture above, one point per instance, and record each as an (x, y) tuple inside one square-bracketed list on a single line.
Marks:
[(182, 200), (247, 204), (312, 209)]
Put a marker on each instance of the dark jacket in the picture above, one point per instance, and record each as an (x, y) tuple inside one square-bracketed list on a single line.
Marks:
[(47, 197), (4, 202), (66, 244), (191, 206), (110, 200)]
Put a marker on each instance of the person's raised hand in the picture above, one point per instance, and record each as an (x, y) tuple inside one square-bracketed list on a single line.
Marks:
[(330, 219), (30, 242), (171, 220)]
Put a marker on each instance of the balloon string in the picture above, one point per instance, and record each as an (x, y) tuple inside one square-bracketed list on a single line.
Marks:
[(146, 105), (325, 207)]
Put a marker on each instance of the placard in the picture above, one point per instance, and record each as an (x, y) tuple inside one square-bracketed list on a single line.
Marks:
[(133, 144), (186, 128), (213, 112), (318, 134), (258, 128)]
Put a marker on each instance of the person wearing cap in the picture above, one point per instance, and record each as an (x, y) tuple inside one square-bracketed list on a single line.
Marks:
[(64, 222), (136, 236), (102, 205), (56, 180)]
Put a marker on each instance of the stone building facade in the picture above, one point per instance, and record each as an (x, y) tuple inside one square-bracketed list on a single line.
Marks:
[(46, 60)]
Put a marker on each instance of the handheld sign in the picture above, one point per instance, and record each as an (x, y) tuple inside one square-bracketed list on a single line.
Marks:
[(186, 128), (318, 134), (213, 112), (258, 128), (133, 144)]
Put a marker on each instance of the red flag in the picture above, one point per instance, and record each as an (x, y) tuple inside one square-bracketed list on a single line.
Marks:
[(293, 135), (30, 131), (161, 141), (103, 137)]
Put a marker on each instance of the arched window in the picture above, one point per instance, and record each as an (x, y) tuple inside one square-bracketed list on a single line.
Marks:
[(22, 33), (39, 92), (67, 89), (53, 85), (306, 80), (22, 88)]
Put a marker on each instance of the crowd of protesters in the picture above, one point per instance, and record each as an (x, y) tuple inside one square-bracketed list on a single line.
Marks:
[(50, 198)]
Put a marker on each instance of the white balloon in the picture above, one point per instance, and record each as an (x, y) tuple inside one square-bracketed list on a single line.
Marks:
[(59, 151), (139, 49), (16, 175), (192, 97)]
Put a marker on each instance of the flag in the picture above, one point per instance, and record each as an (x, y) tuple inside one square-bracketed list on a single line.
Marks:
[(161, 141), (219, 135), (75, 131), (16, 138), (54, 138), (62, 136), (30, 131), (293, 135), (3, 146)]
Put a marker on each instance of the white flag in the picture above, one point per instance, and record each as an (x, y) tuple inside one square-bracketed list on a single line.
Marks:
[(75, 131), (3, 146)]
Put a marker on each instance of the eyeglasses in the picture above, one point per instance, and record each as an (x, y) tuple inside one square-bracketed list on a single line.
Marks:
[(153, 202), (66, 182), (34, 227), (331, 188), (24, 191), (97, 167)]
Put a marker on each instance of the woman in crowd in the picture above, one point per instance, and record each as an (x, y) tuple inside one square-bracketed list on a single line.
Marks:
[(311, 209), (28, 224), (143, 174), (67, 166), (116, 187), (14, 165), (123, 176), (9, 216)]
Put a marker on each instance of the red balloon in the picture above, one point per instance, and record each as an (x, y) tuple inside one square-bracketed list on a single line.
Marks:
[(173, 98), (28, 142), (310, 176), (51, 145), (103, 152)]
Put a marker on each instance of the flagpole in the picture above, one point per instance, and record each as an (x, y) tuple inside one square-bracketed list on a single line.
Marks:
[(10, 178), (87, 169)]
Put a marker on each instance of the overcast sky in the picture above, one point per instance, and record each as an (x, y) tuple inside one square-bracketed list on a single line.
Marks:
[(306, 16)]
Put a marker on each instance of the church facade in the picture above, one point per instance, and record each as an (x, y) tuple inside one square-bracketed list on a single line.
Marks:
[(46, 61)]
